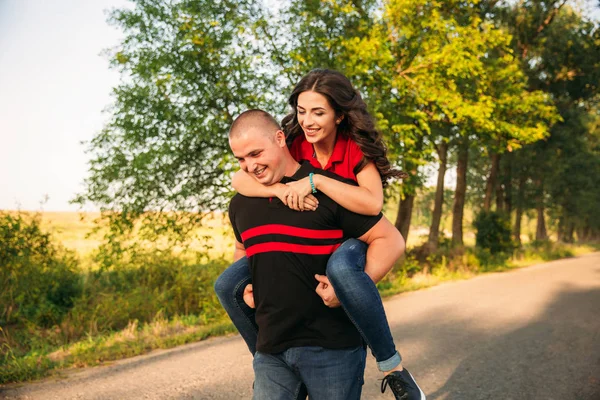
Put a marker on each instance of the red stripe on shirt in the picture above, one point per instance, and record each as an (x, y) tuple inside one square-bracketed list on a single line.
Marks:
[(290, 248), (292, 231)]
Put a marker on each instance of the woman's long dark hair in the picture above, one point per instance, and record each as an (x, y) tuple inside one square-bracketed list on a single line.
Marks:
[(357, 124)]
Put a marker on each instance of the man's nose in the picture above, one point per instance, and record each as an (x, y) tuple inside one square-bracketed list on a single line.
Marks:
[(251, 166)]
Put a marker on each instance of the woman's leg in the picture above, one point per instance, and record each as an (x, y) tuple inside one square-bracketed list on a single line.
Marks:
[(229, 287), (360, 299)]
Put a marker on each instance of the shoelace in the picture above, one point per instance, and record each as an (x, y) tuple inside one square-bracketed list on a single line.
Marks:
[(395, 384)]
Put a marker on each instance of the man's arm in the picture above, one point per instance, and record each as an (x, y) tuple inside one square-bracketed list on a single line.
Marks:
[(386, 245), (248, 295), (239, 251)]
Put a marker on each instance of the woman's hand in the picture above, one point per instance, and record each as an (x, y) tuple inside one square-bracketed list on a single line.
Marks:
[(299, 196), (299, 201)]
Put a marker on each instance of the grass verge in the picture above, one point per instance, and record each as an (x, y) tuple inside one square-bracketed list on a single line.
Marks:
[(162, 333), (134, 340)]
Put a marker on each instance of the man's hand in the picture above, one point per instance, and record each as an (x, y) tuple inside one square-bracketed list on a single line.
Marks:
[(249, 296), (325, 290)]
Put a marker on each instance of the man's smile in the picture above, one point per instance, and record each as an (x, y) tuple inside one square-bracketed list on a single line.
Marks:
[(259, 171)]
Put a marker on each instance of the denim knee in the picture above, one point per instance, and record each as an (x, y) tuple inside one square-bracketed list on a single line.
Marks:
[(229, 281), (348, 258), (222, 286)]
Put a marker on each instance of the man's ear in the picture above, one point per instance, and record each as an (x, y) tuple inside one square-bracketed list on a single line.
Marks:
[(280, 138)]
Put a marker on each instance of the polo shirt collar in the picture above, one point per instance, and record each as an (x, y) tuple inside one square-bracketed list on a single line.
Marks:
[(339, 150), (305, 169)]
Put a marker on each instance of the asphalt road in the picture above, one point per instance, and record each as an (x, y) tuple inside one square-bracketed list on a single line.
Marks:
[(532, 333)]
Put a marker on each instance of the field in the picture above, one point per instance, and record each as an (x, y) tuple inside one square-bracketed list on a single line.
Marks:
[(72, 230)]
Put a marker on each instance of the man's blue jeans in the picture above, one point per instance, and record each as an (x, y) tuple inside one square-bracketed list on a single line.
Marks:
[(354, 288), (322, 374)]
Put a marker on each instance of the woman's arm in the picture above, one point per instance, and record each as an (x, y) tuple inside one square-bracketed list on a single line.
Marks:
[(366, 198), (250, 187), (248, 296)]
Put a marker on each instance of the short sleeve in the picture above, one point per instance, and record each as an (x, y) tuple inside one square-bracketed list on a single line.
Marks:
[(232, 208), (354, 154), (355, 225), (352, 224)]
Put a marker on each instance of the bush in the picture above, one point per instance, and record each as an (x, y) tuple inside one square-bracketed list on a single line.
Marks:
[(39, 279), (545, 250), (493, 232), (151, 283)]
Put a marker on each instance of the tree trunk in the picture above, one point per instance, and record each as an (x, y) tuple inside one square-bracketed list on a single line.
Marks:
[(570, 232), (540, 232), (517, 227), (583, 233), (404, 215), (459, 193), (519, 212), (566, 230), (580, 234), (499, 197), (491, 182), (561, 228), (508, 184), (434, 230)]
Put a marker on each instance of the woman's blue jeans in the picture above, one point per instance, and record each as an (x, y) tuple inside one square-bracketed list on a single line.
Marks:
[(354, 288)]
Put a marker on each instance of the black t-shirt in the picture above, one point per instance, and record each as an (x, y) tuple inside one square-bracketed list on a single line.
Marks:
[(285, 249)]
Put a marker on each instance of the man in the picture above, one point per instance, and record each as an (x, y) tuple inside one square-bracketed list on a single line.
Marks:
[(302, 344)]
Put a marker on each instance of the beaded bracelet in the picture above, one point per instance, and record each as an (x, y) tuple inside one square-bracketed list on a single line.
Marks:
[(312, 184)]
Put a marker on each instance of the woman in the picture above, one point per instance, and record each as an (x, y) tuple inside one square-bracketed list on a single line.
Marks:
[(330, 127)]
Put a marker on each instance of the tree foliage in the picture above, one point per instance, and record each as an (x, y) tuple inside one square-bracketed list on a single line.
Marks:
[(434, 73), (559, 49), (188, 68)]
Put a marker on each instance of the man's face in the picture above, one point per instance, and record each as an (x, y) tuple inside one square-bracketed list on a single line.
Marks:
[(260, 155)]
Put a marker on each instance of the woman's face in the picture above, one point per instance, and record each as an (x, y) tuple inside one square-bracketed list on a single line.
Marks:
[(316, 117)]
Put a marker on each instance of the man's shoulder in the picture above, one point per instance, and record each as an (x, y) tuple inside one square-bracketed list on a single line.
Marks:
[(235, 199), (239, 200)]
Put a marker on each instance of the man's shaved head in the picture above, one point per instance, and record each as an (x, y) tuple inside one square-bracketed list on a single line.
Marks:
[(254, 119), (258, 143)]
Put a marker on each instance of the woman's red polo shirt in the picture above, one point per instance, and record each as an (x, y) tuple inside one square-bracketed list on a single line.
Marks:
[(345, 157)]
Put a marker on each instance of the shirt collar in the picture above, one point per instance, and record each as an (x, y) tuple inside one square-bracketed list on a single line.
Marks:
[(339, 149), (305, 169)]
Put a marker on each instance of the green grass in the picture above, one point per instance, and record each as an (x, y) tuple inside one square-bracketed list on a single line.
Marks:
[(131, 341), (136, 339)]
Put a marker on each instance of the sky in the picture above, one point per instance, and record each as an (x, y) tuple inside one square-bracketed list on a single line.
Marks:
[(54, 84)]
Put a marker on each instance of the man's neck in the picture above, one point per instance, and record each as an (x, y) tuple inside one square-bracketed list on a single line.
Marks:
[(291, 166)]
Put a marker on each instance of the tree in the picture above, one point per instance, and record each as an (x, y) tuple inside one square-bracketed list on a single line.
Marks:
[(559, 50), (465, 82), (188, 67)]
